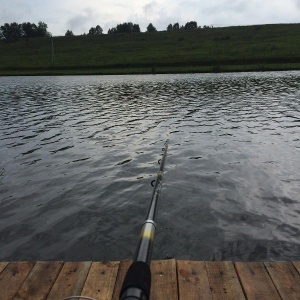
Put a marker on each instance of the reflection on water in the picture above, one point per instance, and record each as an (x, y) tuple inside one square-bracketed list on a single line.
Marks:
[(77, 155)]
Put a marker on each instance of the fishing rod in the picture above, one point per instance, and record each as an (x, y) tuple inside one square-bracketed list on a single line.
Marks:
[(137, 282)]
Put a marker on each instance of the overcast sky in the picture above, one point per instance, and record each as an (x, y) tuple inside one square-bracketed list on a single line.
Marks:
[(80, 15)]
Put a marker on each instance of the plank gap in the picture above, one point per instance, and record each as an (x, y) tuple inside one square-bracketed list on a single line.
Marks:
[(286, 279)]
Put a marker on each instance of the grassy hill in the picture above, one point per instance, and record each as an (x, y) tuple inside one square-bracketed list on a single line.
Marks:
[(240, 48)]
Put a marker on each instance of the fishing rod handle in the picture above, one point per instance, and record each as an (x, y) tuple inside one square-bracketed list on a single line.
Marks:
[(137, 282)]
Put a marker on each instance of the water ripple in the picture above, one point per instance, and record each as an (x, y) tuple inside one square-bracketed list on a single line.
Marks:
[(77, 155)]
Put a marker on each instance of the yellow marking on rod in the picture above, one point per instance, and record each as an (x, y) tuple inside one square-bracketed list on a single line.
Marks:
[(148, 233)]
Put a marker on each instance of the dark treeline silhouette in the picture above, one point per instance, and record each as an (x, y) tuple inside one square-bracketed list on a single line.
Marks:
[(69, 33), (93, 31), (14, 31), (130, 27), (151, 28), (125, 28), (188, 26)]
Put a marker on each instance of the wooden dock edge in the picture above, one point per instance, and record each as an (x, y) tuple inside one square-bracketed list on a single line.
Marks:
[(171, 279)]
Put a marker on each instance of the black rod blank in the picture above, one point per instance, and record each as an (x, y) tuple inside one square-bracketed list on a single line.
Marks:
[(137, 282)]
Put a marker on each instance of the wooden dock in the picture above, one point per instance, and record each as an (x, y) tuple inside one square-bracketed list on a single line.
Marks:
[(171, 279)]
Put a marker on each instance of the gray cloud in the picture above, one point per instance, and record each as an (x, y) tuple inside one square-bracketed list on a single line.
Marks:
[(82, 22), (150, 8), (79, 16), (14, 10), (297, 3)]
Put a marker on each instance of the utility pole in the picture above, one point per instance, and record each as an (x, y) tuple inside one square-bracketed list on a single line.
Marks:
[(53, 56)]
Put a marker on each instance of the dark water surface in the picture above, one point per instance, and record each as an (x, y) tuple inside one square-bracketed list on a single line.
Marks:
[(77, 155)]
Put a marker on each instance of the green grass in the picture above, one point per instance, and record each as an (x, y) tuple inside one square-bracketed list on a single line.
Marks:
[(241, 48)]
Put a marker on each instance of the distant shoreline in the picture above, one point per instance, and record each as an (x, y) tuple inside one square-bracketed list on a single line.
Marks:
[(208, 50), (158, 70)]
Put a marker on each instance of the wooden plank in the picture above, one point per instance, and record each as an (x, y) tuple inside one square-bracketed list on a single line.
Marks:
[(196, 280), (286, 278), (12, 277), (3, 265), (256, 281), (101, 280), (164, 280), (192, 280), (70, 280), (223, 281), (123, 267), (297, 265), (40, 280)]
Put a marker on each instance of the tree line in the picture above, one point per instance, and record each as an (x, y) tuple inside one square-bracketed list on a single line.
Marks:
[(130, 27), (14, 31), (120, 28)]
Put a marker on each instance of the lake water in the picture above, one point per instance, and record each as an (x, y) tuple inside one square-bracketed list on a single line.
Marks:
[(78, 153)]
